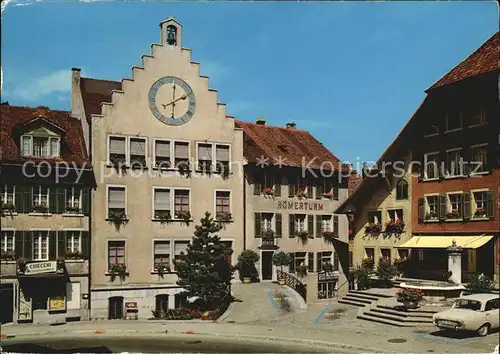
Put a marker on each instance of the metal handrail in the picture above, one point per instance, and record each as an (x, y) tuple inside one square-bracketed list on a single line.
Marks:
[(294, 283)]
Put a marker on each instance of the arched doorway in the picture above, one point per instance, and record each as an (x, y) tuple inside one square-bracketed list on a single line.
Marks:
[(115, 308)]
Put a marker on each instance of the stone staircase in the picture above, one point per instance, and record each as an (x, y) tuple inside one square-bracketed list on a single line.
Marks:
[(361, 298), (383, 312)]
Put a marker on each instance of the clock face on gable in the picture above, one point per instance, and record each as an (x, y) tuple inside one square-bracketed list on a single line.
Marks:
[(172, 100)]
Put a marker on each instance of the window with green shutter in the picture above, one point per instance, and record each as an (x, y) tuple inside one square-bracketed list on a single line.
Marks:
[(319, 225), (310, 226), (24, 198), (278, 180), (257, 224), (86, 201), (278, 225), (291, 225), (336, 225), (61, 243), (291, 268)]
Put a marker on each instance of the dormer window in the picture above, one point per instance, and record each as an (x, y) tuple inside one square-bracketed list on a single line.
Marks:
[(40, 146)]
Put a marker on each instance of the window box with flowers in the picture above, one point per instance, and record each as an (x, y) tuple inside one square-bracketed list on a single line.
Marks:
[(267, 234), (328, 236), (409, 297), (72, 209), (268, 191), (119, 270), (327, 267), (7, 255), (480, 213), (184, 216), (303, 236), (117, 217), (74, 255), (373, 229), (118, 161), (8, 208), (163, 216), (394, 227), (301, 193), (430, 216), (183, 168), (455, 214), (328, 195), (162, 268), (224, 217), (40, 208)]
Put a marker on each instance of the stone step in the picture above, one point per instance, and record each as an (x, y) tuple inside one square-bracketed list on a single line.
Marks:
[(400, 313), (351, 302), (364, 292), (358, 299), (369, 317), (411, 311), (387, 316), (362, 296)]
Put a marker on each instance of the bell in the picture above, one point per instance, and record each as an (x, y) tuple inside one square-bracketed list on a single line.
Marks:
[(171, 37)]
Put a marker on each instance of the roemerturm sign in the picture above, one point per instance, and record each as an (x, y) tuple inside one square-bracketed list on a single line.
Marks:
[(40, 267), (293, 205)]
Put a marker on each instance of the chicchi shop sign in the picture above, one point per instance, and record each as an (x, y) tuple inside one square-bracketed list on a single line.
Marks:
[(40, 267)]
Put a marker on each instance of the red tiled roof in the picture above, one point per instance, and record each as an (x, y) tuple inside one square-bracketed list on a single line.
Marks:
[(353, 182), (94, 92), (73, 145), (296, 147), (485, 59)]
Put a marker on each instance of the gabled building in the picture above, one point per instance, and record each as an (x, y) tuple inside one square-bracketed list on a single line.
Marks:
[(46, 178), (292, 186), (164, 153), (452, 142)]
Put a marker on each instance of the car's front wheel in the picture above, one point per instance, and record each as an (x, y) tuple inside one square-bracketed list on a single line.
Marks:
[(483, 330)]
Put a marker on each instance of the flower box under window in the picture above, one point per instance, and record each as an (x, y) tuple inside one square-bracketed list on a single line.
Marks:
[(373, 229), (268, 191), (224, 217), (40, 208)]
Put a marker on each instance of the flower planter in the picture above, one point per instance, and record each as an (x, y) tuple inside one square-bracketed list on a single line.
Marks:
[(268, 191), (282, 282), (247, 280)]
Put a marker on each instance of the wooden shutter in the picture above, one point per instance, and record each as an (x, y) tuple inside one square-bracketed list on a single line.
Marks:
[(319, 190), (28, 245), (61, 200), (277, 184), (291, 225), (489, 205), (335, 192), (278, 225), (335, 261), (292, 187), (309, 189), (443, 206), (310, 262), (257, 185), (336, 225), (291, 268), (85, 244), (52, 245), (19, 198), (466, 207), (310, 226), (258, 224), (19, 246), (319, 220), (421, 210), (53, 200), (61, 243), (86, 201), (319, 264)]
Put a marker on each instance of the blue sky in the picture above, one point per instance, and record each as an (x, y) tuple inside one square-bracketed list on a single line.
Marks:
[(352, 73)]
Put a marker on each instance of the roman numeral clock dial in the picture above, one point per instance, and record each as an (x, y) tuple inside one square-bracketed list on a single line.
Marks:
[(172, 101)]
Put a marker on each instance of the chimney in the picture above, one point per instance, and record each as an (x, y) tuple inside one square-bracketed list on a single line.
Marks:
[(364, 170), (290, 125), (260, 121)]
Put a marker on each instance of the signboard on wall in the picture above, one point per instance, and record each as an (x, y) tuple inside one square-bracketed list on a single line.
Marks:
[(328, 276), (131, 305), (57, 303), (292, 205), (40, 267)]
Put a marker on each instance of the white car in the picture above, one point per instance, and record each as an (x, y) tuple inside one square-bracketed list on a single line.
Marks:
[(479, 313)]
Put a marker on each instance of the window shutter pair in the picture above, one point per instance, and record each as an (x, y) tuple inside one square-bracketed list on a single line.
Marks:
[(319, 190), (319, 262), (258, 224), (86, 201), (291, 268), (319, 225), (309, 189), (310, 226), (336, 225), (24, 244), (61, 244), (277, 184), (278, 225), (489, 205), (57, 200), (24, 198), (466, 206), (52, 245)]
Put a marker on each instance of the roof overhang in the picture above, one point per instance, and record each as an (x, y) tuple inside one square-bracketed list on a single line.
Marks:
[(472, 242)]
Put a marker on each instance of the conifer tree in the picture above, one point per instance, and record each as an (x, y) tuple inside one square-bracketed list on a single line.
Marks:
[(204, 271)]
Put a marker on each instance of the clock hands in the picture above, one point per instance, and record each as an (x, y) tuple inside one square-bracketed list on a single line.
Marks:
[(183, 97)]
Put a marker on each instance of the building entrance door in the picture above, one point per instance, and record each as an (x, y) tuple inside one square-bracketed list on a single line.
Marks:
[(115, 308), (6, 303), (267, 265)]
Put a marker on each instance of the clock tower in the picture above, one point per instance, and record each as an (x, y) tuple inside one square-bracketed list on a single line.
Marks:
[(171, 33)]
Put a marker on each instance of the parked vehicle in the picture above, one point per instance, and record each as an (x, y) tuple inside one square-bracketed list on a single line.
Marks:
[(478, 312)]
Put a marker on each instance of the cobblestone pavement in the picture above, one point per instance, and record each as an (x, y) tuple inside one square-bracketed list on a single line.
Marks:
[(257, 316)]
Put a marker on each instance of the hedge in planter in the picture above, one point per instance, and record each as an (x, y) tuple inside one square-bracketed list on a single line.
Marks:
[(246, 265)]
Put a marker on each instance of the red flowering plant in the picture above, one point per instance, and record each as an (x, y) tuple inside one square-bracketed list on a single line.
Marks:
[(268, 191), (394, 226), (409, 295), (480, 213), (301, 193), (373, 229), (328, 195)]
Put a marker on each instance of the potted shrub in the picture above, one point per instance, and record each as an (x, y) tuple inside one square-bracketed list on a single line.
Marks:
[(301, 193), (281, 259), (224, 217), (385, 271), (246, 266), (301, 270), (162, 268), (400, 265), (269, 191), (453, 215), (8, 207), (362, 276), (184, 215), (223, 170), (478, 284), (74, 255), (367, 263), (73, 209), (328, 236), (118, 162), (163, 216), (303, 237), (118, 270), (409, 297)]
